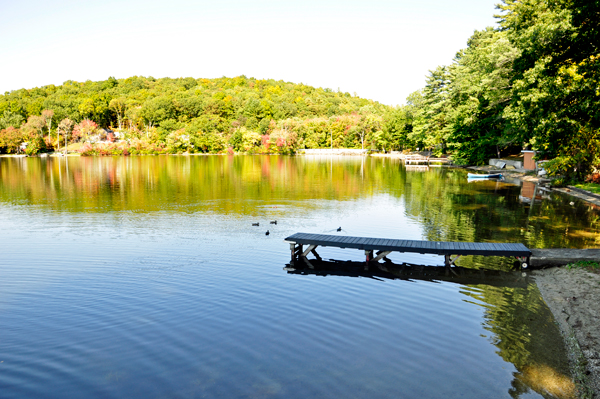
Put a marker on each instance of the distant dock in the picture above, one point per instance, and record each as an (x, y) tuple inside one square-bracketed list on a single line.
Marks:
[(421, 160), (378, 248)]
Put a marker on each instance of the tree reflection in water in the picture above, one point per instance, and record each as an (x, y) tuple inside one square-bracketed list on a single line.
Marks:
[(519, 323), (439, 201)]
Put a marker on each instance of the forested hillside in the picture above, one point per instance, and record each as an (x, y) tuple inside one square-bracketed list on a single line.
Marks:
[(191, 115)]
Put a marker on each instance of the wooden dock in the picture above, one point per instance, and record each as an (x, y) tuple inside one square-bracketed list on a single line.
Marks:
[(378, 248), (422, 160)]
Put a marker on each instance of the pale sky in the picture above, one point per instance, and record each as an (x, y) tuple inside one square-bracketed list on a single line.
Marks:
[(378, 49)]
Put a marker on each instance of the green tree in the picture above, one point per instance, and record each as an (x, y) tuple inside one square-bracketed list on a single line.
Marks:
[(156, 110), (397, 126), (65, 127), (10, 119), (35, 124), (480, 90), (47, 115), (432, 127), (119, 107), (236, 140), (555, 87)]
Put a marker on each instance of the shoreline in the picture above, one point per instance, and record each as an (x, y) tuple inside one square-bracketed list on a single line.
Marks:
[(573, 296)]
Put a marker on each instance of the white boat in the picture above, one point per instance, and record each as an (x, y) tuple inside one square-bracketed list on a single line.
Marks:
[(484, 176)]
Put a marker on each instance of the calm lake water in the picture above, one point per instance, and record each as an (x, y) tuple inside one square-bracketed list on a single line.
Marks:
[(144, 277)]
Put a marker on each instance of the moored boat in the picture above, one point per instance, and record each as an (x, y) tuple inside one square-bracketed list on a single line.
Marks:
[(484, 176)]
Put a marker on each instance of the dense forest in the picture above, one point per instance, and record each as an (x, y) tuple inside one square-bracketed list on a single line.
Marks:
[(531, 80), (147, 115)]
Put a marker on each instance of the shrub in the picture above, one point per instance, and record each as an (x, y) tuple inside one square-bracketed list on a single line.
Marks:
[(282, 141), (35, 146), (84, 129), (178, 142), (250, 141), (87, 150), (49, 142), (593, 178), (558, 166), (141, 147), (104, 149), (558, 182), (574, 167), (10, 140)]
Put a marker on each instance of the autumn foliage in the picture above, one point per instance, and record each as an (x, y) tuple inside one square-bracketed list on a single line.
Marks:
[(10, 140), (196, 115)]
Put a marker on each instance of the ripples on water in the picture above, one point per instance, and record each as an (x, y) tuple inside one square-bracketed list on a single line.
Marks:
[(125, 278)]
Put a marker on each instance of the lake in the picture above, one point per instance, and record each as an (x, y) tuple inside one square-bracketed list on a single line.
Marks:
[(145, 277)]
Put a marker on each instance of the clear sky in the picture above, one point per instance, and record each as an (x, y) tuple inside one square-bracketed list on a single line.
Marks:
[(378, 49)]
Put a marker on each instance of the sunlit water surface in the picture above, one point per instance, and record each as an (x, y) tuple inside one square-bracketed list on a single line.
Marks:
[(144, 277)]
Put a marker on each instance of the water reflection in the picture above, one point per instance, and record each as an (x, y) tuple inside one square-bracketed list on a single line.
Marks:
[(453, 210), (531, 192), (406, 271), (117, 271), (521, 326), (438, 199), (518, 322)]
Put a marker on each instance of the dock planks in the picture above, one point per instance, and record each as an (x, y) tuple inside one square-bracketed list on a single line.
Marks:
[(414, 246)]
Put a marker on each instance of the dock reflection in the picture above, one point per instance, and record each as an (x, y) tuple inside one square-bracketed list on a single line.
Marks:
[(406, 271)]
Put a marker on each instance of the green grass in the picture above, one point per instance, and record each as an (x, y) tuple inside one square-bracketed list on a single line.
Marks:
[(592, 187), (585, 264)]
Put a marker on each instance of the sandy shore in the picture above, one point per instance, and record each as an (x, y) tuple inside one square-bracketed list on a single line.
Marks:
[(573, 296)]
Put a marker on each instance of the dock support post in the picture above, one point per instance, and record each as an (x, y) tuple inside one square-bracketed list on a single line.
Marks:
[(293, 250), (449, 261), (311, 248), (310, 265), (381, 254), (316, 254), (369, 258)]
